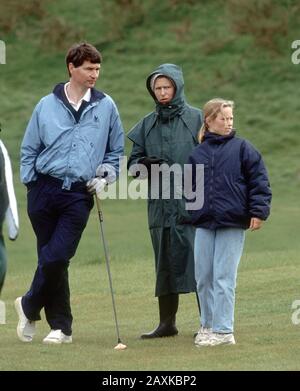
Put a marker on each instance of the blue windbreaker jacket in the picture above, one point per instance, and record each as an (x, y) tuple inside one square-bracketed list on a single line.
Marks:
[(69, 145)]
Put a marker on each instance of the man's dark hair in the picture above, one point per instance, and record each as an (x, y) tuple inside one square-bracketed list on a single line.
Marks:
[(81, 52)]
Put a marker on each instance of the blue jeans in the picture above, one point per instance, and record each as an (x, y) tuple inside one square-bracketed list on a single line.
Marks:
[(217, 256)]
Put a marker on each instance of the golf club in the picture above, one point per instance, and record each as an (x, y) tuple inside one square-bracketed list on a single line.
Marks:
[(120, 345)]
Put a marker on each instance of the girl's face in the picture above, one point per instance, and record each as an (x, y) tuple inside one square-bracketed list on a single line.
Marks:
[(222, 123)]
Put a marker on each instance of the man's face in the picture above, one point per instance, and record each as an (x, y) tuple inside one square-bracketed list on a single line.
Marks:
[(85, 75), (164, 90)]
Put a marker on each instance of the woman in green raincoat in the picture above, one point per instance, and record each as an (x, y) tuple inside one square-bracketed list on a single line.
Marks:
[(166, 137)]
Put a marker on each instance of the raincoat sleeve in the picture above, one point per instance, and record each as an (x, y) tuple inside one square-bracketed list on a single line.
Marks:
[(136, 135), (11, 215)]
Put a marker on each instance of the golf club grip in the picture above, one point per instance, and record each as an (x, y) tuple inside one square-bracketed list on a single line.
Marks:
[(99, 209)]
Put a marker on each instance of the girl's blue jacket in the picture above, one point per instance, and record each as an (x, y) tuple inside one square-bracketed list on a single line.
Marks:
[(236, 184)]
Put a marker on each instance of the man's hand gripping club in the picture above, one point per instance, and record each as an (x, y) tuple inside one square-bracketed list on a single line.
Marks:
[(96, 186)]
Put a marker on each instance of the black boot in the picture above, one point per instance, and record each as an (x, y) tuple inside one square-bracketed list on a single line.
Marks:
[(168, 306)]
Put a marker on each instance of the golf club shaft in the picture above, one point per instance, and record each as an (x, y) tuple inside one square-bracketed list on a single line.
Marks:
[(107, 264)]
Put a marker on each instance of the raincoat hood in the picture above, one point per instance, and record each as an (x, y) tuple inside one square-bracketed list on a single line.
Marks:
[(173, 72)]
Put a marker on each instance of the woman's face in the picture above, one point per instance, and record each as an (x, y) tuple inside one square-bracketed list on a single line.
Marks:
[(164, 90), (222, 124)]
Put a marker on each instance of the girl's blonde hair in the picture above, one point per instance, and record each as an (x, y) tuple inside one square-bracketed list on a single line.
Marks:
[(210, 110)]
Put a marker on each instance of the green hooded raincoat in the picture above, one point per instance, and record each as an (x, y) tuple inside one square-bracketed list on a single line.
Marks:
[(169, 133)]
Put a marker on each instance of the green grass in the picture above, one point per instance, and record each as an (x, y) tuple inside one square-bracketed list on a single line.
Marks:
[(268, 283), (217, 60)]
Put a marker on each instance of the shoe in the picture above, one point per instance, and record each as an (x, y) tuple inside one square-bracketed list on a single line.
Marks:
[(222, 339), (26, 327), (203, 335), (57, 337), (217, 339)]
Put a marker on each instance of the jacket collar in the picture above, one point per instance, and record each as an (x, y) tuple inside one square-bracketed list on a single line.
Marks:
[(185, 116), (216, 138), (60, 93)]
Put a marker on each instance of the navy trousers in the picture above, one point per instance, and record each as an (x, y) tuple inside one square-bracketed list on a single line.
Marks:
[(58, 218)]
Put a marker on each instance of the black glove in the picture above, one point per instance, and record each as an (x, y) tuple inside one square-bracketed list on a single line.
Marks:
[(148, 161)]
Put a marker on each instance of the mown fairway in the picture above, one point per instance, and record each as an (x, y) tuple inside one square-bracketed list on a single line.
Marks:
[(268, 283)]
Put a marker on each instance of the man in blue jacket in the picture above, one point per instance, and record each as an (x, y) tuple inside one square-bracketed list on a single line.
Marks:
[(70, 150)]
